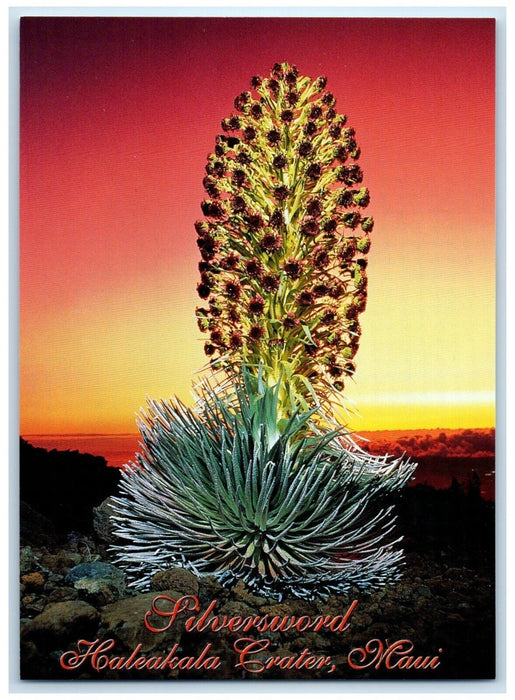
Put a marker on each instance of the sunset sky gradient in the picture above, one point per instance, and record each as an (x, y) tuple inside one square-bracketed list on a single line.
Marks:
[(117, 117)]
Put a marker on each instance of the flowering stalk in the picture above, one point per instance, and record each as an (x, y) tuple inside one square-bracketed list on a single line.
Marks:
[(252, 484), (284, 240)]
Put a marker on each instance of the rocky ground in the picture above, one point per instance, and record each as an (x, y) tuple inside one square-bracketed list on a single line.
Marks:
[(77, 612), (70, 592)]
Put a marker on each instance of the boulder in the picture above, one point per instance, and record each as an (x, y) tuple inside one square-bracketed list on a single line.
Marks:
[(102, 523), (176, 579), (97, 582), (124, 621), (62, 623)]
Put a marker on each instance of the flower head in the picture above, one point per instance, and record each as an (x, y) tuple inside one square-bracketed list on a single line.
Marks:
[(283, 239)]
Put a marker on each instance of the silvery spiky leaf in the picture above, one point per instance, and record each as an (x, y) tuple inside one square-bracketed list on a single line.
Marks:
[(232, 491)]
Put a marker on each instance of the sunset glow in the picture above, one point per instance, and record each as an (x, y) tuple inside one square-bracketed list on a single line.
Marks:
[(117, 119)]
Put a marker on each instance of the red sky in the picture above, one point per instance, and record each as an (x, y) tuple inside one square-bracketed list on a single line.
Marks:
[(117, 117)]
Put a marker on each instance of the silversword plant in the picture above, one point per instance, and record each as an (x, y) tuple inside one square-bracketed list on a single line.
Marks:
[(258, 482)]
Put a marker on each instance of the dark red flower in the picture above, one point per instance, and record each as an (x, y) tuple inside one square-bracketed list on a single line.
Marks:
[(254, 221), (201, 227), (290, 320), (320, 258), (219, 168), (335, 131), (337, 290), (277, 70), (328, 99), (256, 305), (349, 174), (320, 83), (277, 219), (329, 316), (293, 268), (270, 283), (305, 148), (249, 134), (209, 349), (310, 129), (235, 340), (279, 161), (340, 153), (351, 219), (243, 157), (256, 81), (273, 136), (238, 177), (347, 250), (330, 114), (237, 204), (281, 193), (230, 261), (216, 336), (291, 78), (256, 333), (330, 225), (215, 308), (305, 298), (256, 110), (287, 116), (208, 279), (314, 208), (315, 112), (367, 224), (345, 198), (309, 227), (233, 314), (292, 98), (233, 290), (231, 124), (320, 290), (271, 242), (335, 371), (212, 209), (253, 268), (273, 85), (207, 253), (203, 290), (314, 171), (241, 100)]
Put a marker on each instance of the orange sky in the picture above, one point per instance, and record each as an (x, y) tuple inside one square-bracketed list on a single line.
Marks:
[(117, 118)]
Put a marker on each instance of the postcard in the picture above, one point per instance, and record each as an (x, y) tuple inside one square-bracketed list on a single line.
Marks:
[(257, 349)]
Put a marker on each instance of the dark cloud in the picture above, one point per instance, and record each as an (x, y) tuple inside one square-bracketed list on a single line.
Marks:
[(451, 443)]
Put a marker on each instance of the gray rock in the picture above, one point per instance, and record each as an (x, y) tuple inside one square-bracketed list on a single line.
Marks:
[(28, 560), (102, 523), (97, 582)]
